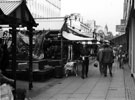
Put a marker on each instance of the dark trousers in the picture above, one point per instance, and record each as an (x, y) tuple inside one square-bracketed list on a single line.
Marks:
[(101, 67), (85, 68), (109, 65)]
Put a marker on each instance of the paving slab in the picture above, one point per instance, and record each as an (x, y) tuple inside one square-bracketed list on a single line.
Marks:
[(96, 87)]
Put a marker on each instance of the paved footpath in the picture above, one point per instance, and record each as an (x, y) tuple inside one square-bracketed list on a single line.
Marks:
[(96, 87)]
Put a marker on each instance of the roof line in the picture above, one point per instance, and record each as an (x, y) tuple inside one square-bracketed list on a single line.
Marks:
[(9, 1)]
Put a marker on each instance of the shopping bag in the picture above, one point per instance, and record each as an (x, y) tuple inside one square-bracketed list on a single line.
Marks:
[(96, 63), (6, 92)]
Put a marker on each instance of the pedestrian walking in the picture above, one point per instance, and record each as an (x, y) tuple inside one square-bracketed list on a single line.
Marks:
[(107, 59), (85, 62), (99, 59), (120, 56), (85, 66)]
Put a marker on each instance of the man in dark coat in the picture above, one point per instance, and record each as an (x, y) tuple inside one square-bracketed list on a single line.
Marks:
[(85, 62), (107, 59)]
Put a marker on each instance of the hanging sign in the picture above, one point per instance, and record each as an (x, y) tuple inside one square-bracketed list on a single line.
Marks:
[(120, 28)]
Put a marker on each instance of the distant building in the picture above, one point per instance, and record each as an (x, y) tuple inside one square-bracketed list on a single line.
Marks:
[(91, 24), (75, 21), (106, 30), (100, 34), (44, 8)]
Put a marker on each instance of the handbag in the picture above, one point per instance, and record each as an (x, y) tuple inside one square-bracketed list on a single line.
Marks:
[(95, 64)]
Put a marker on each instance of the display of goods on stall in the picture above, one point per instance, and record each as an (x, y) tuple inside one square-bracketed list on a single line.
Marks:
[(6, 92), (23, 45)]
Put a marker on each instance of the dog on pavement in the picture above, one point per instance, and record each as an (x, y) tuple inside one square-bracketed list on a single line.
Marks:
[(70, 67)]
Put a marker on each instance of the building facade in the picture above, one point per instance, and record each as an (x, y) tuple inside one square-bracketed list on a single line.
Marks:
[(129, 16), (75, 21), (44, 8)]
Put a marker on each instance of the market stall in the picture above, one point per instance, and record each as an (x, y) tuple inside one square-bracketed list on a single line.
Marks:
[(17, 15), (61, 43)]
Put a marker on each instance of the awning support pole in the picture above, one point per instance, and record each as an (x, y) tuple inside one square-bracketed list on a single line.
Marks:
[(30, 58), (14, 56)]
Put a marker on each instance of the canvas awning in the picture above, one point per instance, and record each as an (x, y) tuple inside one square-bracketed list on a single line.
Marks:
[(80, 33), (71, 36), (54, 24)]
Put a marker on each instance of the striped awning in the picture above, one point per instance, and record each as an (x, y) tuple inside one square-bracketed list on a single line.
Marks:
[(9, 6), (15, 11)]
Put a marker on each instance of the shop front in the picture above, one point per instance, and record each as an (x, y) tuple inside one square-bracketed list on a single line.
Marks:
[(129, 16)]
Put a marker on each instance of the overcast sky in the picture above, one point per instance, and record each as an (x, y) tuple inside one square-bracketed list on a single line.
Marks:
[(104, 12)]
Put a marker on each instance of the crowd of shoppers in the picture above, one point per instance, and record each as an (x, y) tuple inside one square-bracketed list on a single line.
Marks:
[(105, 57)]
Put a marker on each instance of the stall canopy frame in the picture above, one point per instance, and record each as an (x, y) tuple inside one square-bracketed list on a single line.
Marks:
[(14, 14)]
